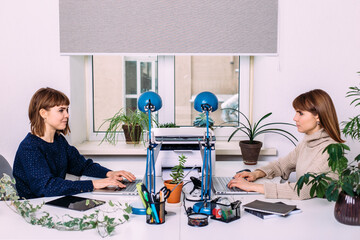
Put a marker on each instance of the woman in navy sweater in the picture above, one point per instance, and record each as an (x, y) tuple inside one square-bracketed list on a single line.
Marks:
[(44, 156)]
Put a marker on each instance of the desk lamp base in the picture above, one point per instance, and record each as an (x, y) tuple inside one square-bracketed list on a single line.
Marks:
[(138, 208), (202, 207)]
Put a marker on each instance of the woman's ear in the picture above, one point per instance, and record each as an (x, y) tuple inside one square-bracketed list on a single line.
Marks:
[(317, 118), (43, 113)]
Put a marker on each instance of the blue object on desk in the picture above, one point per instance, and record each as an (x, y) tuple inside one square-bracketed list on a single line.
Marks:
[(206, 102), (138, 208)]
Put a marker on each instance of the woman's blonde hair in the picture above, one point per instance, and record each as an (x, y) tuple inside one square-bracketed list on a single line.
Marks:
[(45, 98), (318, 102)]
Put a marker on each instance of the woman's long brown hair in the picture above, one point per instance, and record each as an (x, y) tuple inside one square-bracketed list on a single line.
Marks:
[(318, 102)]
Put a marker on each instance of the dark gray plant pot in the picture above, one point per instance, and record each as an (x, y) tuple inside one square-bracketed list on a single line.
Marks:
[(347, 209), (250, 151)]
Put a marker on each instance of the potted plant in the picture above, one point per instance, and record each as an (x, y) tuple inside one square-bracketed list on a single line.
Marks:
[(342, 183), (200, 121), (132, 122), (250, 148), (176, 183)]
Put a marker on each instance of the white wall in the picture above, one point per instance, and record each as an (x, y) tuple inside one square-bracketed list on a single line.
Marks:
[(29, 60), (319, 48)]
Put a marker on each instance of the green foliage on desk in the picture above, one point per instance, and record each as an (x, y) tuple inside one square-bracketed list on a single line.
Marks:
[(99, 220), (177, 172), (326, 184)]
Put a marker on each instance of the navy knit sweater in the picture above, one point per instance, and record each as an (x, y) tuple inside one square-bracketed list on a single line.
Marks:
[(40, 168)]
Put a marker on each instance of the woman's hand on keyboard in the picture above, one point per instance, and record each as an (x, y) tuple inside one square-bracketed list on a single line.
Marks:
[(250, 176), (245, 185), (120, 175), (107, 182)]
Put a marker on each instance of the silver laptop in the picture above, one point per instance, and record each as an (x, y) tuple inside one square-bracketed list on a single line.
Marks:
[(219, 186), (129, 190)]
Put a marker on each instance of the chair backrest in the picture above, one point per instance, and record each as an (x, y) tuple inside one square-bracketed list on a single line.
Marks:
[(5, 167)]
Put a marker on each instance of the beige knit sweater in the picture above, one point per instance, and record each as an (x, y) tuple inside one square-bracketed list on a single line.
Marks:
[(306, 157)]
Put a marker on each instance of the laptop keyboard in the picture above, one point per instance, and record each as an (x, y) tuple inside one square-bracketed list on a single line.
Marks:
[(130, 186), (220, 186)]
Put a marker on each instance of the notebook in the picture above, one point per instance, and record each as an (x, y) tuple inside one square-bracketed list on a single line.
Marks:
[(219, 185), (278, 208), (265, 215)]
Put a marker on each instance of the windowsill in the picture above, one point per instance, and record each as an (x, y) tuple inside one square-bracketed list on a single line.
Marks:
[(93, 148)]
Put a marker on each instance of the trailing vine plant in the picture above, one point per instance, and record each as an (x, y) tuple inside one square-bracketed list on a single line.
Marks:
[(99, 220)]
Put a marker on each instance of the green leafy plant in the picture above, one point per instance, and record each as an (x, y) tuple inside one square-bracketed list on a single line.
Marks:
[(347, 176), (344, 175), (168, 125), (352, 127), (99, 220), (254, 130), (136, 121), (177, 172), (200, 121)]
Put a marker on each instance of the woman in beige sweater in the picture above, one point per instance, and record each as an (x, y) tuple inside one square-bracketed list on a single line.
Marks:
[(316, 117)]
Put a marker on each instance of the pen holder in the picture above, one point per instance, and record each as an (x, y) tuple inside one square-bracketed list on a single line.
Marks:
[(223, 210), (157, 216)]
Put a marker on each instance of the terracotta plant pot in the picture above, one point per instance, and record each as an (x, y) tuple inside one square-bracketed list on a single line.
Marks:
[(176, 194), (132, 137), (347, 209), (250, 151)]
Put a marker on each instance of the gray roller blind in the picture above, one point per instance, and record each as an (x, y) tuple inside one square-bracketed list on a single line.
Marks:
[(169, 26)]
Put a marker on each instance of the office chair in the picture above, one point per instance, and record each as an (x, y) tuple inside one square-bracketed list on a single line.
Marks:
[(5, 167)]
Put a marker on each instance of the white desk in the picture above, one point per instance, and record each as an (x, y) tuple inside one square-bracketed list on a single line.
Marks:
[(315, 222)]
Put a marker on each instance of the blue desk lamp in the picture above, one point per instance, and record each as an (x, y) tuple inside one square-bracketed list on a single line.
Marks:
[(205, 102), (150, 102)]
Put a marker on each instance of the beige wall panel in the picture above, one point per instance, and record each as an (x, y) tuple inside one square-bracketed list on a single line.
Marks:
[(108, 97), (183, 90), (214, 74)]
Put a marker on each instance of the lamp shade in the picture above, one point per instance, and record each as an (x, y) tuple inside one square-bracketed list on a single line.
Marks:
[(149, 100), (206, 101)]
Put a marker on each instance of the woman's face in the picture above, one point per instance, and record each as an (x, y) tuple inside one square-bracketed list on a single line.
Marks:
[(56, 118), (306, 122)]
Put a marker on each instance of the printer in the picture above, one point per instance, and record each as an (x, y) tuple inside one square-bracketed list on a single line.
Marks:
[(174, 142)]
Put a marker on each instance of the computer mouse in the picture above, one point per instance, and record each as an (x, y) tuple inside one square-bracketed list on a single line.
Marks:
[(244, 170)]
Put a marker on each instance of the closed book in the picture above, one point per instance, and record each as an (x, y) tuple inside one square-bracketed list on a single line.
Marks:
[(264, 215), (278, 208)]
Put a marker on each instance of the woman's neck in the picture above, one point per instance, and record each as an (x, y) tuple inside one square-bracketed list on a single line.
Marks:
[(48, 136)]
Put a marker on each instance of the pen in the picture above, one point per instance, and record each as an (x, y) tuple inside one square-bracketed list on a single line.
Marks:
[(148, 210), (154, 210)]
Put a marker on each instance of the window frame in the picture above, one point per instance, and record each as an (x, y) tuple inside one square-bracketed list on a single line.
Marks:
[(166, 89), (138, 60)]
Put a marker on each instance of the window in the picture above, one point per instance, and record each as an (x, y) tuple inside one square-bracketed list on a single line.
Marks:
[(118, 81)]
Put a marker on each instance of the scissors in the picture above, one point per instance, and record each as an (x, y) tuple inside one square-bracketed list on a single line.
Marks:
[(163, 194)]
